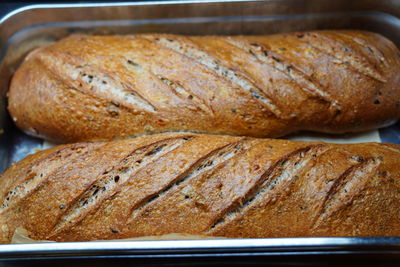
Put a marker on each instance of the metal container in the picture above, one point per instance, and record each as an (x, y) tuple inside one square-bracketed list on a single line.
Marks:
[(27, 28)]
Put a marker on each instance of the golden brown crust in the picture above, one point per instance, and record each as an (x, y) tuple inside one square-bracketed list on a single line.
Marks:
[(204, 185), (105, 87)]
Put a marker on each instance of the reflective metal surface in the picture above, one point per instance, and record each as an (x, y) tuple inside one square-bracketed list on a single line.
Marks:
[(33, 26), (207, 248)]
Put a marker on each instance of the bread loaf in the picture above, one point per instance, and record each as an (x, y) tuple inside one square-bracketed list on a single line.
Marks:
[(109, 87), (204, 185)]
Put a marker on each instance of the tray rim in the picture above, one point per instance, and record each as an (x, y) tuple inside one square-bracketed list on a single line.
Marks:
[(223, 247), (116, 4)]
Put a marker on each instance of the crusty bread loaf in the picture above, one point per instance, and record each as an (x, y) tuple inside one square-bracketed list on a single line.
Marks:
[(203, 184), (104, 87)]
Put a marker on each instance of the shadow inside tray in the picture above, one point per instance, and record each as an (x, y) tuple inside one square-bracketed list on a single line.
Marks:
[(15, 145), (391, 134)]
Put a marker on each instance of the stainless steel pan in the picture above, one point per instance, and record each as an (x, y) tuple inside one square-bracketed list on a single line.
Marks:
[(33, 26)]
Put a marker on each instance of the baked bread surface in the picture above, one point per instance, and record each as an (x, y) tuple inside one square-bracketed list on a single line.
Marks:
[(112, 87), (209, 185)]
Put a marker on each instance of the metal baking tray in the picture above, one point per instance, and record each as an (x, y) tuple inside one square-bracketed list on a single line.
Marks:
[(26, 28)]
